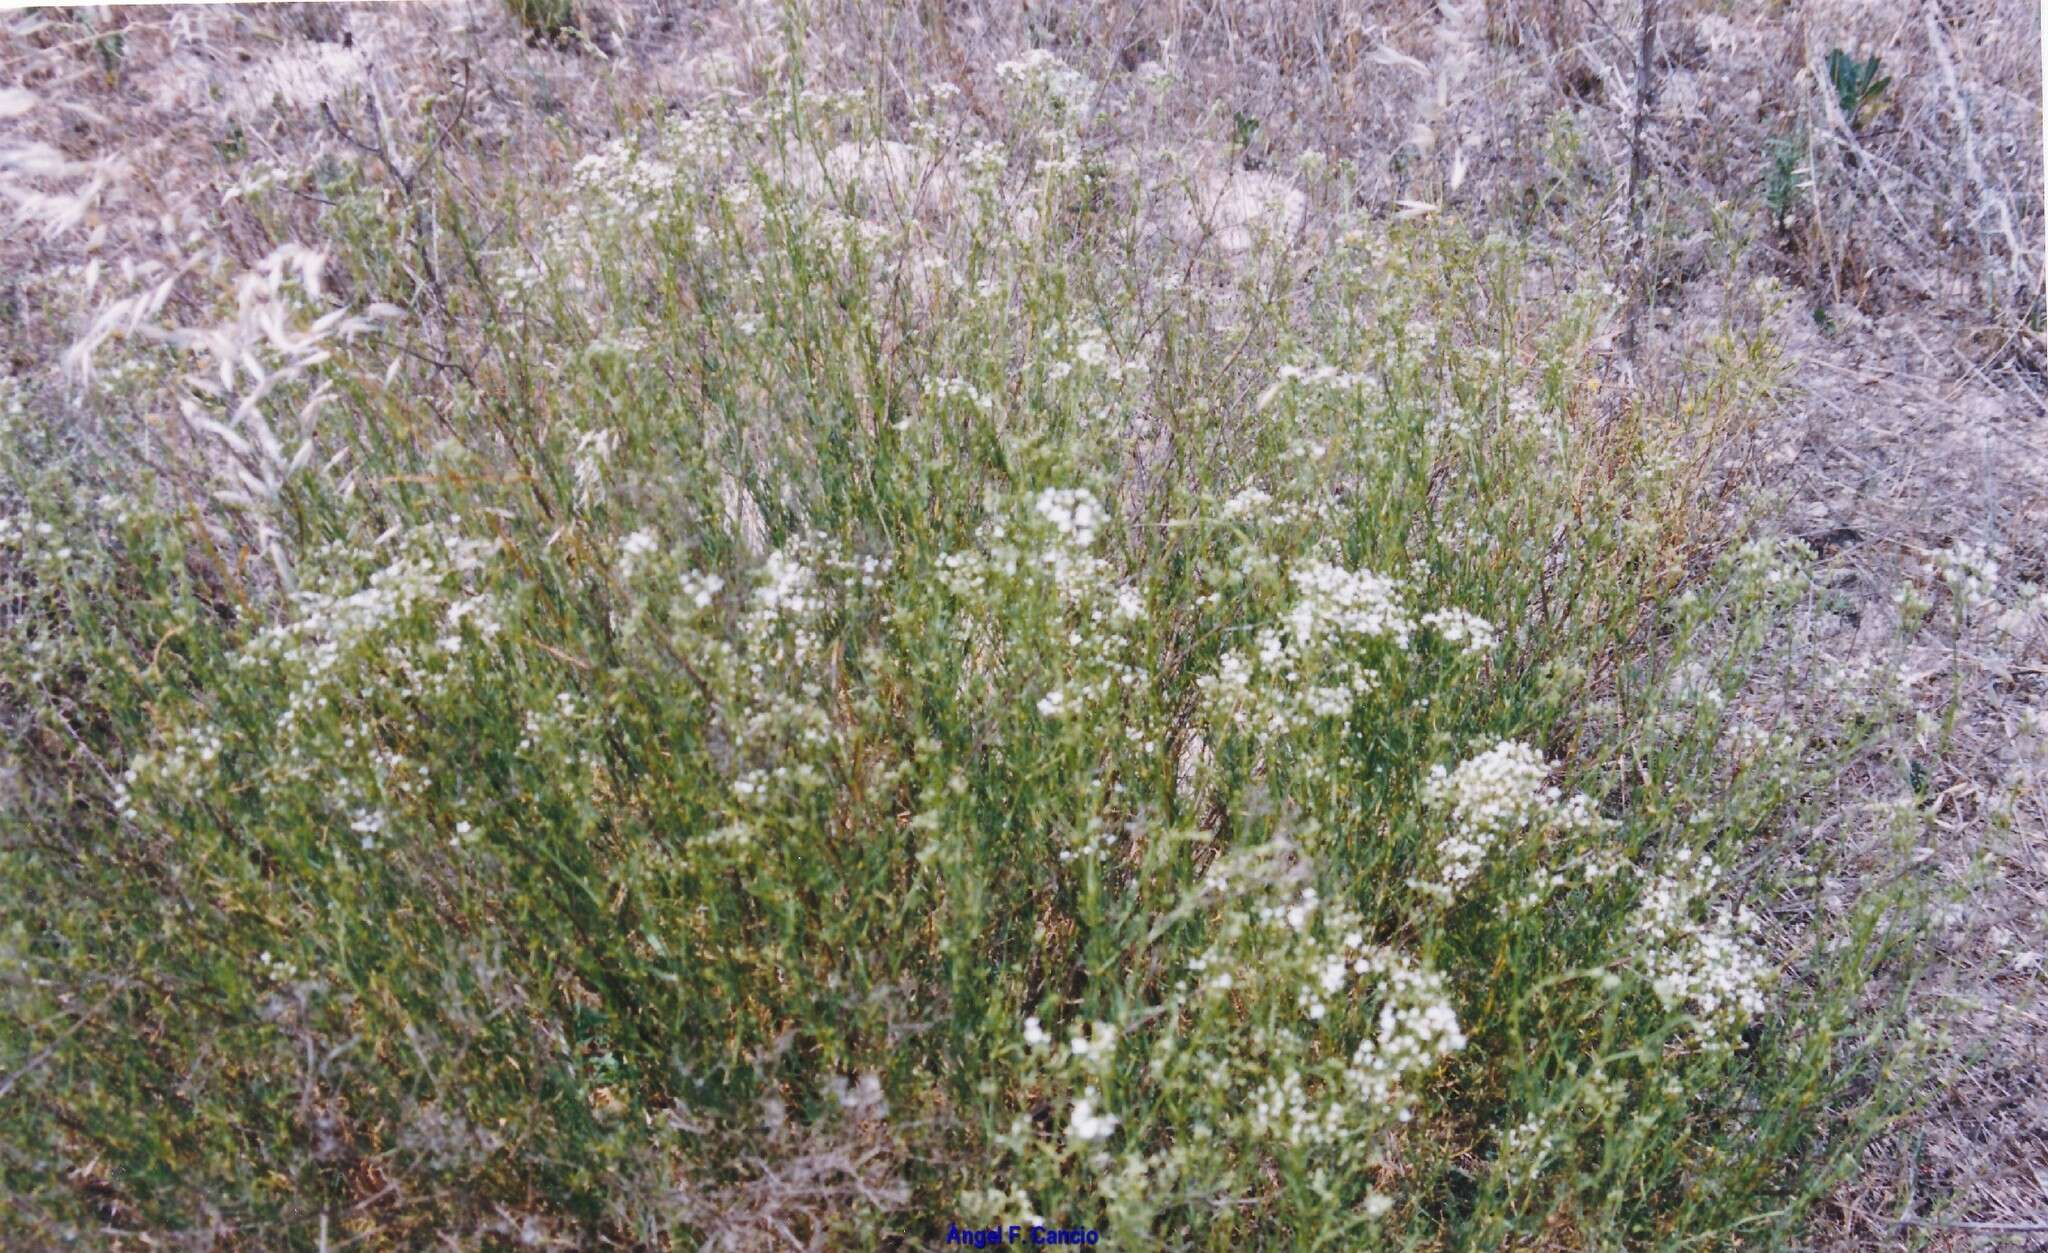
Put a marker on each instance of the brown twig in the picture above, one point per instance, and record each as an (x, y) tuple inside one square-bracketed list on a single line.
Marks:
[(1637, 168)]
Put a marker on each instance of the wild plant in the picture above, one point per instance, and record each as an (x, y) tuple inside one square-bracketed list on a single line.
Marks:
[(995, 716)]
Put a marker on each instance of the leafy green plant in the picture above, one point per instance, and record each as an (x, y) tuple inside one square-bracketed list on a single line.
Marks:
[(1785, 177), (548, 20), (1859, 89), (1244, 127)]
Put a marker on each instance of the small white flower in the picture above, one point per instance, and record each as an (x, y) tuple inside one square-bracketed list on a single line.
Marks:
[(1497, 794), (632, 549), (1096, 1050), (1971, 573), (1087, 1124), (862, 1098), (1073, 512), (1456, 626), (699, 589), (368, 824), (1040, 77)]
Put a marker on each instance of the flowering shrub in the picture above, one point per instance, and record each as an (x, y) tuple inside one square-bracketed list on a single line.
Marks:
[(852, 692)]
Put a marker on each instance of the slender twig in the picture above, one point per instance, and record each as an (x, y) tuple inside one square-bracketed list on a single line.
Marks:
[(49, 1050), (1638, 160), (2040, 1225), (2017, 256)]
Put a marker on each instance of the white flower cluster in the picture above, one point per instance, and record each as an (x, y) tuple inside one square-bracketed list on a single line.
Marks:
[(627, 184), (1257, 508), (974, 576), (781, 628), (15, 530), (479, 613), (1094, 840), (1324, 378), (1090, 351), (1065, 523), (861, 1097), (1090, 1053), (785, 589), (1524, 1150), (1057, 703), (1295, 915), (699, 590), (635, 546), (560, 720), (773, 664), (620, 183), (1040, 78), (1251, 503), (1094, 1048), (985, 162), (1704, 959), (1302, 669), (1694, 684), (328, 625), (1282, 1108), (755, 787), (944, 390), (1457, 626), (1075, 514), (368, 825), (1334, 603), (182, 765), (276, 968), (1088, 1124), (1415, 1028), (1770, 563), (343, 649), (332, 626), (1500, 793), (1971, 573)]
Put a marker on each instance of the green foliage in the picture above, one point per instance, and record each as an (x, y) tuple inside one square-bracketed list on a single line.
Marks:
[(1244, 127), (549, 20), (1858, 87), (1785, 177), (785, 733)]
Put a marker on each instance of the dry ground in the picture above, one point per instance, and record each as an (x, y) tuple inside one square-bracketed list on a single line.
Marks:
[(1908, 254)]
